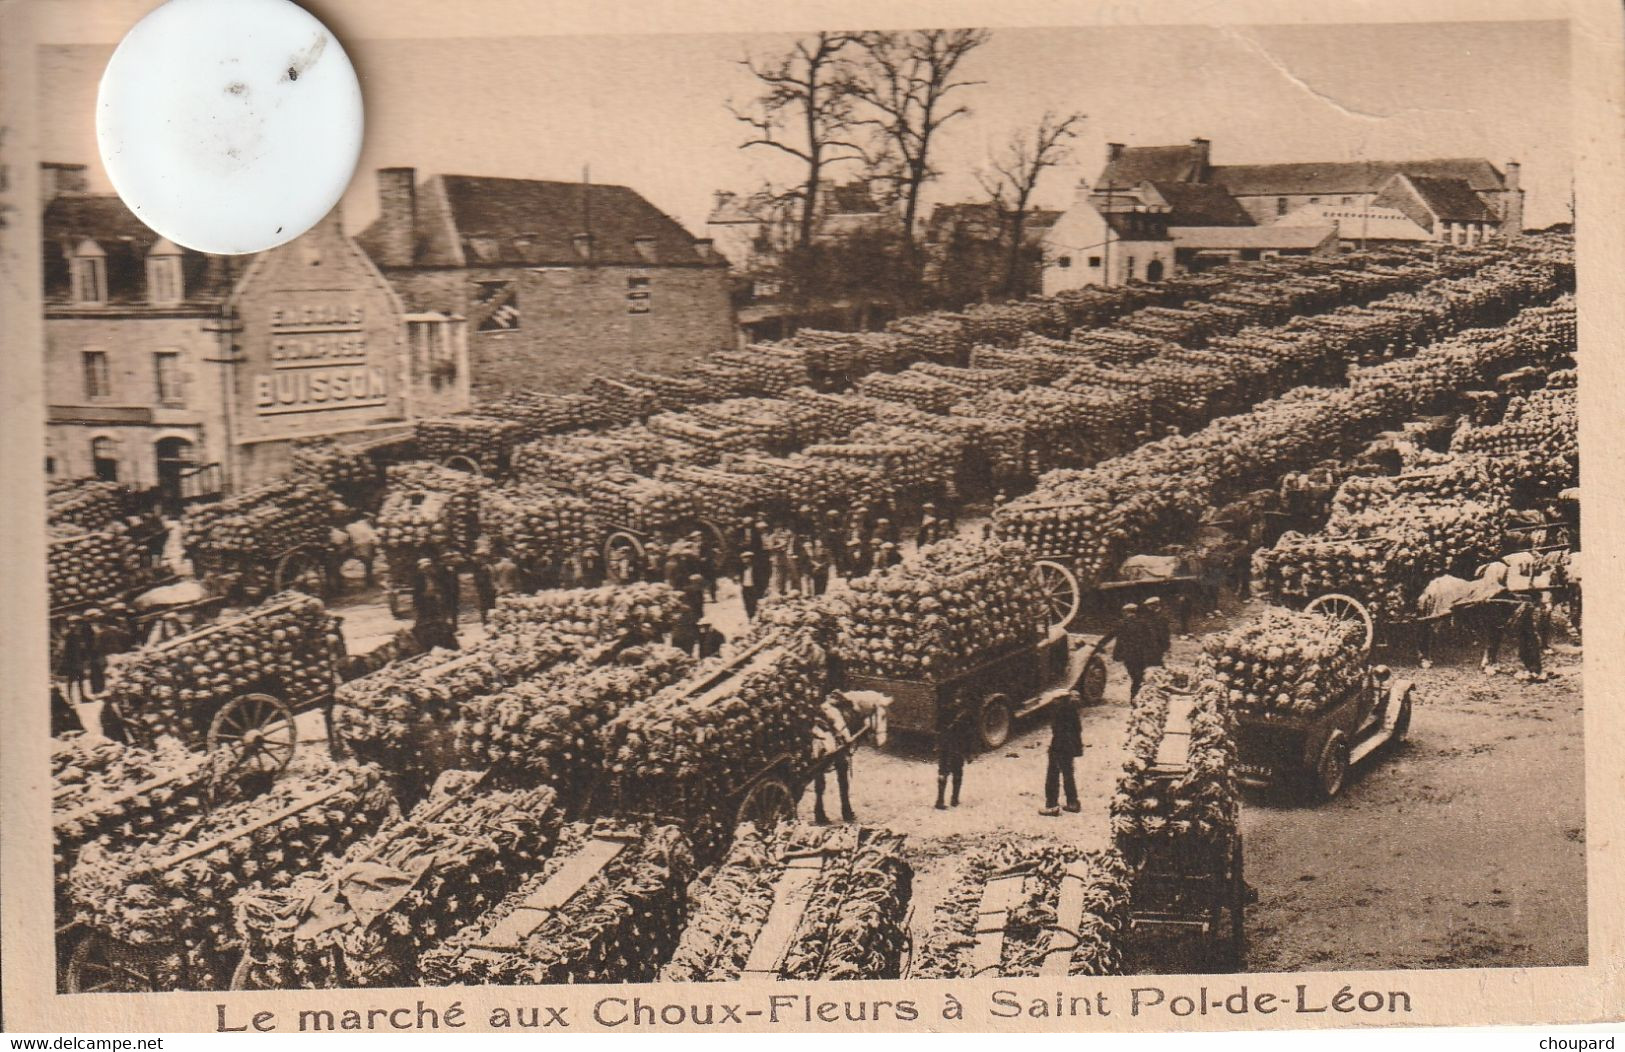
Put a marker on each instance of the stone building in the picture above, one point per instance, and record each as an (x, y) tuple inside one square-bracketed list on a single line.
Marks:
[(1100, 243), (173, 370), (1268, 192), (558, 281)]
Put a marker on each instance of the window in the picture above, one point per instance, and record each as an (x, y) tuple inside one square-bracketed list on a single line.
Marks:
[(1064, 262), (1094, 261), (104, 459), (98, 381), (1129, 268), (434, 340), (166, 367), (1314, 200), (1280, 206), (1348, 200), (89, 273), (164, 283), (50, 465), (637, 295)]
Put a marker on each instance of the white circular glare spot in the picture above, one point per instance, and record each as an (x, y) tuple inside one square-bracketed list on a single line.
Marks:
[(229, 125)]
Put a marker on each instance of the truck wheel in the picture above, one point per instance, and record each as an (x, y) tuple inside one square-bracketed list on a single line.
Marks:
[(994, 721), (1333, 769)]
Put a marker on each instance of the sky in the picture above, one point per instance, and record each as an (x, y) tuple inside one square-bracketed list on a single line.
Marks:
[(650, 111)]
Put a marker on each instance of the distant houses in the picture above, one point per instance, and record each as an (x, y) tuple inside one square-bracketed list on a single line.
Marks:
[(1217, 213)]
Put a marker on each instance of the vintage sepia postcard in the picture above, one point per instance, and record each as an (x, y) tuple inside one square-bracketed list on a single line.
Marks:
[(909, 517)]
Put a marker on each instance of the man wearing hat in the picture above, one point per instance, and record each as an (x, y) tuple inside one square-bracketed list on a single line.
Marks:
[(432, 610), (890, 555), (1065, 746), (1135, 646)]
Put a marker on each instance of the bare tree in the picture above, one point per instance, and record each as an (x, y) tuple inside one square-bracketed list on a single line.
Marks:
[(805, 111), (1012, 175), (905, 84)]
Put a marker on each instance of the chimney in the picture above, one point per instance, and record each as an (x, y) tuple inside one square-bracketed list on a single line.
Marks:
[(1512, 201), (583, 245), (1114, 150), (56, 178), (705, 248), (397, 217), (1203, 151), (1080, 193), (644, 245)]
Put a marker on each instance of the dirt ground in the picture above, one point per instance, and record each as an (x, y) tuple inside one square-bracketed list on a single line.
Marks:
[(1465, 846)]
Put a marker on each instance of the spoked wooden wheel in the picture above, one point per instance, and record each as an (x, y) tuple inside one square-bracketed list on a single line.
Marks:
[(623, 557), (1348, 609), (101, 965), (458, 462), (303, 569), (1059, 588), (252, 735), (768, 803)]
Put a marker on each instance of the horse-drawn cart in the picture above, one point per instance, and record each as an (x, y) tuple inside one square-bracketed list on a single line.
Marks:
[(233, 688), (1190, 886)]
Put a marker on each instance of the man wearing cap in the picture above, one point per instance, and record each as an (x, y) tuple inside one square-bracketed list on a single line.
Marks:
[(1134, 647), (930, 531), (890, 556)]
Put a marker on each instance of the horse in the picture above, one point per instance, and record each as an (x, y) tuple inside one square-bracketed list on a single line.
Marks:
[(846, 713), (1486, 610)]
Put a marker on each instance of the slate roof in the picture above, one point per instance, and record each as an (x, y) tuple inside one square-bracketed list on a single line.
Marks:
[(533, 222), (74, 217), (1452, 200), (1199, 204), (1183, 164), (1334, 177)]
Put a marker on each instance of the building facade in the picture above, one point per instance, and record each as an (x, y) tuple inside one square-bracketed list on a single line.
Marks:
[(1093, 243), (558, 281), (173, 370), (1269, 192)]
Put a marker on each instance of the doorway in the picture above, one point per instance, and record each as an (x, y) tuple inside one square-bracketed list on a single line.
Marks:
[(175, 459), (1153, 270)]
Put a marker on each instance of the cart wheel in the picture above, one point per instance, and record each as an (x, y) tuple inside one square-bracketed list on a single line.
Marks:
[(767, 804), (623, 548), (458, 462), (1059, 588), (303, 569), (1349, 609), (251, 735), (1333, 769), (993, 723), (101, 965), (1402, 718)]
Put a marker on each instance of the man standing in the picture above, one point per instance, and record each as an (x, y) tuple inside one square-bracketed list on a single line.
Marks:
[(1134, 646), (1065, 746), (433, 625), (758, 568), (363, 543), (778, 543), (930, 531), (484, 584), (954, 727), (1161, 637), (890, 556)]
